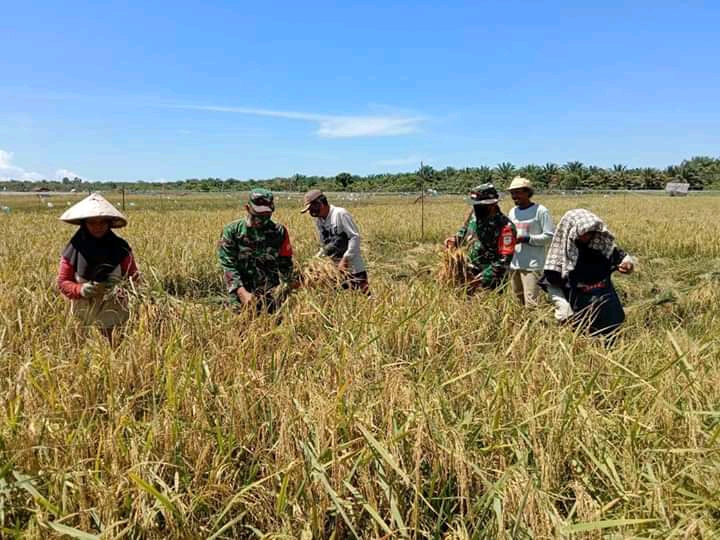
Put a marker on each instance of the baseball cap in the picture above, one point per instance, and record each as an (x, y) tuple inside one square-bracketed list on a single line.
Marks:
[(261, 201), (310, 197)]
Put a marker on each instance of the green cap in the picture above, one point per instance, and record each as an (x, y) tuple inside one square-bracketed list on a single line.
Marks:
[(261, 201), (483, 194)]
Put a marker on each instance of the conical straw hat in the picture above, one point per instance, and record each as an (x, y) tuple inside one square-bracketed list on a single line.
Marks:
[(94, 206)]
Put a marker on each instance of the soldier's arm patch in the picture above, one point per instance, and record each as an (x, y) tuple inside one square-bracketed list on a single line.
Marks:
[(285, 247), (506, 241)]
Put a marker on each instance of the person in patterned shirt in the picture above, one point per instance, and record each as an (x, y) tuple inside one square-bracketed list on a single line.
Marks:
[(491, 236), (256, 256)]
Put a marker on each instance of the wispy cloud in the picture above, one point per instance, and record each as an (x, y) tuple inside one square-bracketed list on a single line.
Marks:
[(8, 171), (397, 162), (330, 126), (65, 173)]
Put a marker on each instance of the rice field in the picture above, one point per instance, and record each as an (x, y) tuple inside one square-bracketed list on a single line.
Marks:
[(417, 413)]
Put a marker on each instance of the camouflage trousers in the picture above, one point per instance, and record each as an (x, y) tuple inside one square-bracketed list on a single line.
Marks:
[(268, 301)]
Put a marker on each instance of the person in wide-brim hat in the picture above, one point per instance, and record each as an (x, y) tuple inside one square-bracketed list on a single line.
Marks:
[(535, 228), (94, 262)]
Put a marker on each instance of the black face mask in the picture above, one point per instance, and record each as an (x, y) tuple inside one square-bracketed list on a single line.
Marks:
[(94, 259), (482, 211)]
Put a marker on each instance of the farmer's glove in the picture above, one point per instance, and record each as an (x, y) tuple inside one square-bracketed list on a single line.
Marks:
[(563, 310), (523, 240), (91, 289)]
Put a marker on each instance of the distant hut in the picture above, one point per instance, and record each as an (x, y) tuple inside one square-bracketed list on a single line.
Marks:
[(677, 189)]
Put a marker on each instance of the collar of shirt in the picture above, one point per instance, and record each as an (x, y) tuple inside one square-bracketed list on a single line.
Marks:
[(326, 220)]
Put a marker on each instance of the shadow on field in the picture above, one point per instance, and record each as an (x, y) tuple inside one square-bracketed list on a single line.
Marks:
[(194, 286)]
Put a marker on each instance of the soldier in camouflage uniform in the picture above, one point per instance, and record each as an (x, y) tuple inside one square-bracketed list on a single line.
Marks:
[(256, 256), (491, 235)]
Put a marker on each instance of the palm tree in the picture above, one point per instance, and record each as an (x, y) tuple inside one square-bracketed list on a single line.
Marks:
[(650, 178), (504, 172), (472, 176), (575, 174), (575, 167), (689, 174), (597, 177), (532, 172), (550, 174), (484, 174), (618, 176)]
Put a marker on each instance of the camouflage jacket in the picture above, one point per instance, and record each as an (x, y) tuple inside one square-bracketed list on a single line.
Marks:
[(492, 244), (257, 258)]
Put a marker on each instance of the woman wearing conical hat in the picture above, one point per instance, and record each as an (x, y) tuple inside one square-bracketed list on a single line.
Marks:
[(94, 262)]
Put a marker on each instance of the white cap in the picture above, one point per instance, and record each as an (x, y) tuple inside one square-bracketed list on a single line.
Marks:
[(94, 206)]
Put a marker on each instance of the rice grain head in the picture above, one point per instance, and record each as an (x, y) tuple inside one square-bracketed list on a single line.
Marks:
[(321, 273), (454, 268)]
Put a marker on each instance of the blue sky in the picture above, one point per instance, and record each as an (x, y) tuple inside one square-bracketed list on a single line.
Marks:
[(172, 90)]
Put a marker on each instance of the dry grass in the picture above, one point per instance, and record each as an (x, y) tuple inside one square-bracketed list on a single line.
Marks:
[(321, 273), (453, 268), (417, 413)]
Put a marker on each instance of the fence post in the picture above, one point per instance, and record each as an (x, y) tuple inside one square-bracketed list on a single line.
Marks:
[(422, 202)]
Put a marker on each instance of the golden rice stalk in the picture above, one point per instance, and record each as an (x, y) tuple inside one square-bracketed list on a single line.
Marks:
[(321, 273), (454, 269)]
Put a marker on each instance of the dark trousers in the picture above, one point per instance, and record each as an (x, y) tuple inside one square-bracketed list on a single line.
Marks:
[(598, 306)]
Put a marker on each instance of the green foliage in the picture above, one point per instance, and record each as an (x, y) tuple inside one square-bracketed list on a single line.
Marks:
[(701, 172)]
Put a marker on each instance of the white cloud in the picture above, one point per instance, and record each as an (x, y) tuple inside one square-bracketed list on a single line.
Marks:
[(65, 173), (366, 126), (8, 171), (331, 126)]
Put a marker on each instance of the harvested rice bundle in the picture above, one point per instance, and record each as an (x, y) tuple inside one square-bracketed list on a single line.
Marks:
[(454, 269), (322, 274)]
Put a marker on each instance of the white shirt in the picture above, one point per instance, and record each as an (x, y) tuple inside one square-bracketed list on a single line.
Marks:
[(340, 221), (535, 223)]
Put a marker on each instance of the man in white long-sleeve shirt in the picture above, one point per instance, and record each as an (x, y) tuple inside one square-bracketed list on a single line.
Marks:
[(339, 238), (534, 233)]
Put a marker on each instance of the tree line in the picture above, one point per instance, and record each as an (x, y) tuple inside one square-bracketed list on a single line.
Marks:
[(699, 172)]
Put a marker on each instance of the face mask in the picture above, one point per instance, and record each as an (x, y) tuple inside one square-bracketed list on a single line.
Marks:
[(482, 211), (260, 221)]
